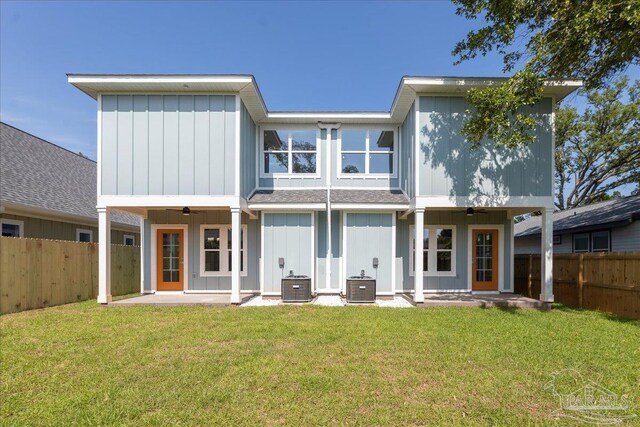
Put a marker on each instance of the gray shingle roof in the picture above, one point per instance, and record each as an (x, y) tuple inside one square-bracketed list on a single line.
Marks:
[(337, 196), (36, 173), (615, 212)]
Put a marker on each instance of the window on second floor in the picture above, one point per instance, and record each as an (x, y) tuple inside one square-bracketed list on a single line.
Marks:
[(289, 151), (367, 152)]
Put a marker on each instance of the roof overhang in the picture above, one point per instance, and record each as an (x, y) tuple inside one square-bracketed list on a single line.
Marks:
[(245, 85)]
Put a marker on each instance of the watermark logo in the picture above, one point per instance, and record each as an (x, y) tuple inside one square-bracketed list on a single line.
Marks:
[(585, 400)]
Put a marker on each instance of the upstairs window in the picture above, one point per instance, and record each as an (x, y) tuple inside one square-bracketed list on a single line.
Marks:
[(11, 227), (367, 152), (289, 152)]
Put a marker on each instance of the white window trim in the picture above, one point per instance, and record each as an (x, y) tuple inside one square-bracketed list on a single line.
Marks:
[(224, 260), (128, 236), (433, 253), (290, 151), (573, 243), (367, 152), (19, 223), (608, 241), (84, 230)]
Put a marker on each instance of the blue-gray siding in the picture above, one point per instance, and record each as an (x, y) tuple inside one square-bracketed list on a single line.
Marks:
[(168, 144), (450, 168), (288, 236), (623, 239), (462, 223), (336, 243), (407, 142), (248, 148), (368, 236), (195, 281)]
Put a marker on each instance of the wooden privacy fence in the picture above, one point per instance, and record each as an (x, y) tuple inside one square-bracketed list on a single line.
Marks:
[(608, 281), (36, 273)]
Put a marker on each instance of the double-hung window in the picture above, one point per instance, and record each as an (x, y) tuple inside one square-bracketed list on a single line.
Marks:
[(595, 241), (290, 152), (367, 152), (215, 250), (439, 256)]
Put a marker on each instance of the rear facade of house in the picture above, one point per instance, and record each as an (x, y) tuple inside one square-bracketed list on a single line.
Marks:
[(234, 197)]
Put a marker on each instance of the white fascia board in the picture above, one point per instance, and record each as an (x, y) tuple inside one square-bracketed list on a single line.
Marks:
[(287, 206), (96, 79), (169, 201), (430, 202)]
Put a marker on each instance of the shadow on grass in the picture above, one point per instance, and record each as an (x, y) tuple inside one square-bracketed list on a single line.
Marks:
[(608, 316)]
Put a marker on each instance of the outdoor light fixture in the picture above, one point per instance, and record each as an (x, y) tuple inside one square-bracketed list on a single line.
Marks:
[(186, 211), (470, 212)]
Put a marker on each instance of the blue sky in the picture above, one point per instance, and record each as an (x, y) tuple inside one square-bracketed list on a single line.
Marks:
[(305, 56)]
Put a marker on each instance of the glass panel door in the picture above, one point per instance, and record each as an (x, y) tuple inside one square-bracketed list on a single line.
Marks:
[(170, 260), (485, 260)]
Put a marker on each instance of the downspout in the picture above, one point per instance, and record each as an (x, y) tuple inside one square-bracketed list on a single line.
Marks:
[(328, 127)]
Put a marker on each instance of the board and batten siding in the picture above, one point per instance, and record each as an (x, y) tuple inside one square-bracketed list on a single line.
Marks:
[(168, 144), (449, 167), (248, 152), (368, 236), (288, 236), (459, 282), (407, 163), (336, 250)]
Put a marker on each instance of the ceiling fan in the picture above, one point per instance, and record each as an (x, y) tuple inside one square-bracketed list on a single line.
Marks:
[(472, 211), (186, 211)]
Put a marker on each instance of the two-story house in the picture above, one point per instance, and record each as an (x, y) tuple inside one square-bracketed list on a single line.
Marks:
[(234, 197)]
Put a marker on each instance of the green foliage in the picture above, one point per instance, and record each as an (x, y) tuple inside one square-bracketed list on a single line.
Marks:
[(592, 40), (599, 151)]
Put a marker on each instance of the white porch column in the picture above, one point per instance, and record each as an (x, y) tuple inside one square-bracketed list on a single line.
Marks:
[(104, 255), (235, 255), (418, 279), (546, 258)]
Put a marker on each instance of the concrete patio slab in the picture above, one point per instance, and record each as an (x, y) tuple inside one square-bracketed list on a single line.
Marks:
[(171, 300), (481, 300)]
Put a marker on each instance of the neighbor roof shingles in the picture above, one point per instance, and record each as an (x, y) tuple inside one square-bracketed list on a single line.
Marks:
[(610, 212), (39, 174)]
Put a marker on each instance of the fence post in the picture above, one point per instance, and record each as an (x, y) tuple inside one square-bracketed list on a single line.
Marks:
[(580, 278)]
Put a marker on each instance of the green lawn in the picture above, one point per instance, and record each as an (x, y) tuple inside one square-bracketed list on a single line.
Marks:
[(88, 365)]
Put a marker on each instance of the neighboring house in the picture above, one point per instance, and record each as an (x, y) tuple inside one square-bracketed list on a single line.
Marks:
[(611, 226), (48, 192), (229, 189)]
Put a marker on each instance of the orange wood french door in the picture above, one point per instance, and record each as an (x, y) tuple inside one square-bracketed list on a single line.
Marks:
[(484, 260), (170, 259)]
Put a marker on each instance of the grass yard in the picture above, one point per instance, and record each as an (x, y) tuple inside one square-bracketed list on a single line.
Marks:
[(82, 364)]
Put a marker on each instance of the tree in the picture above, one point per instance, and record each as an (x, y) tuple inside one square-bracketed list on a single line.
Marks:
[(599, 151), (593, 40)]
